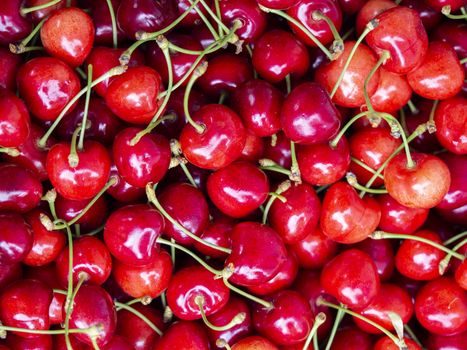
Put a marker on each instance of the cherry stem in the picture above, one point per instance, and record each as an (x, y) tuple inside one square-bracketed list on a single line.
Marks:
[(337, 320), (352, 181), (319, 320), (383, 58), (140, 315), (110, 73), (403, 120), (369, 27), (374, 122), (84, 124), (220, 25), (413, 109), (294, 169), (73, 158), (12, 152), (412, 335), (455, 238), (284, 186), (21, 47), (208, 24), (463, 61), (89, 331), (387, 235), (288, 83), (337, 46), (222, 343), (236, 320), (366, 167), (177, 153), (199, 71), (446, 10), (151, 194), (114, 24), (399, 342), (431, 120), (298, 24), (83, 277), (25, 10), (268, 164), (443, 265)]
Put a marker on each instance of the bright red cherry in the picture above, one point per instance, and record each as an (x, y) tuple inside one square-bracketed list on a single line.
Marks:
[(15, 124), (352, 278), (451, 124), (370, 10), (122, 191), (457, 194), (254, 342), (91, 220), (217, 232), (13, 26), (352, 338), (393, 92), (184, 335), (40, 342)]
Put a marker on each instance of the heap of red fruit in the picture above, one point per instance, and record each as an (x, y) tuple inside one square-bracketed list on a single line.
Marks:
[(233, 174)]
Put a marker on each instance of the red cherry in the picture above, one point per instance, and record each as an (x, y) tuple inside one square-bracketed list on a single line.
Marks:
[(453, 342), (453, 33), (15, 125), (278, 54), (192, 18), (86, 179), (349, 7), (254, 342), (441, 307), (217, 232), (382, 253), (352, 278), (40, 342), (386, 343), (279, 150), (68, 34), (369, 11), (9, 65), (13, 27), (221, 142), (9, 273), (60, 344), (103, 22), (38, 15), (47, 85), (451, 124), (439, 4), (393, 92), (345, 217), (184, 335), (352, 339), (422, 186), (16, 237), (92, 219), (117, 343), (429, 16), (122, 191)]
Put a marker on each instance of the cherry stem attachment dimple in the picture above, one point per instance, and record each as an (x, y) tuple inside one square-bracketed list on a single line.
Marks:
[(284, 186), (113, 21), (236, 320), (73, 158), (319, 320), (25, 10), (140, 315), (84, 124)]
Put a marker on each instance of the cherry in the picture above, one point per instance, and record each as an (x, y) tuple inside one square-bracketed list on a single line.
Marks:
[(369, 11), (382, 253), (258, 103), (257, 254), (9, 65), (25, 304), (47, 85), (453, 342), (391, 298), (68, 210), (441, 307), (351, 339), (133, 95), (91, 258), (352, 278), (455, 198), (217, 232), (220, 143), (14, 129), (386, 343), (117, 343), (346, 218), (122, 191), (38, 15), (393, 92), (68, 34), (278, 54), (351, 6), (40, 342), (350, 92), (232, 195), (84, 180), (147, 280), (279, 150), (253, 149), (400, 32), (146, 161), (398, 218), (422, 186), (22, 192), (254, 342), (9, 273), (192, 18), (60, 343), (13, 26), (102, 21), (322, 164), (453, 33), (100, 312), (17, 239), (451, 120), (184, 335), (439, 4), (429, 16), (309, 121)]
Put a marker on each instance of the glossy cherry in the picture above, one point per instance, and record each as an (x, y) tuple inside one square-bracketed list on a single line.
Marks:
[(254, 148), (439, 4), (279, 150), (352, 338), (122, 191), (393, 92), (430, 17), (15, 125), (184, 335), (38, 15), (9, 65), (386, 343), (9, 273), (382, 253), (451, 120), (254, 342), (192, 18), (13, 27), (217, 232), (102, 21)]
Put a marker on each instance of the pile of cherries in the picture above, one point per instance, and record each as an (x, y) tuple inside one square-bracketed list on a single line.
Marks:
[(233, 174)]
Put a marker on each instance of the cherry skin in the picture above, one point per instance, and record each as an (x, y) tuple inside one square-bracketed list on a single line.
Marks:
[(386, 343), (352, 278), (22, 192), (90, 256), (122, 191), (38, 15), (298, 216), (278, 54), (382, 253), (192, 18), (234, 196), (219, 144), (258, 103), (422, 186), (321, 164), (68, 34), (25, 304), (451, 121), (103, 23), (40, 342), (16, 237), (146, 161), (254, 342), (257, 254), (184, 335), (441, 307), (253, 149), (14, 129), (147, 280), (86, 179), (131, 232), (9, 65), (217, 232), (350, 92), (439, 4), (369, 11), (117, 343), (429, 16), (47, 84), (453, 342), (457, 194), (393, 92), (188, 206), (279, 150), (461, 275), (14, 27), (289, 322), (92, 219), (60, 344), (351, 6), (100, 311), (352, 339), (346, 218), (440, 74), (9, 273)]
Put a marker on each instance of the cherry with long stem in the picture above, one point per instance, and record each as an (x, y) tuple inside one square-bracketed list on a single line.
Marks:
[(113, 21), (284, 186), (199, 71), (236, 320), (319, 320)]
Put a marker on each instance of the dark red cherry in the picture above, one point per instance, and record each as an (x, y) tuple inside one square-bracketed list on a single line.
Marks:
[(257, 253), (254, 148), (68, 34), (400, 31), (16, 237), (9, 273), (439, 4), (441, 307), (38, 15), (321, 164), (352, 278), (22, 192), (278, 54), (86, 179), (290, 308), (9, 65), (234, 196), (87, 314), (457, 194), (347, 218), (309, 121), (217, 232), (393, 92), (131, 232), (254, 342), (422, 186), (219, 144), (25, 304), (15, 125), (352, 338), (122, 191), (117, 343), (279, 150), (453, 33), (103, 22), (184, 335), (461, 275), (90, 256), (192, 18), (451, 124), (147, 280), (40, 342), (92, 219), (429, 16), (13, 26), (258, 103), (382, 253), (453, 342), (47, 84), (146, 161)]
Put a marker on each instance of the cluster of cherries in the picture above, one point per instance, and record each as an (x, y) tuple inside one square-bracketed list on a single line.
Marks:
[(233, 174)]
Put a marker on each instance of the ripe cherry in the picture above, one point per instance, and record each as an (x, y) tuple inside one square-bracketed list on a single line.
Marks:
[(429, 16), (382, 253), (352, 338), (9, 273), (102, 21), (386, 343), (184, 335), (37, 15), (94, 218), (254, 342), (279, 150), (393, 92), (451, 124), (13, 26), (253, 149), (9, 65), (369, 11), (122, 191), (217, 232), (14, 129), (439, 342)]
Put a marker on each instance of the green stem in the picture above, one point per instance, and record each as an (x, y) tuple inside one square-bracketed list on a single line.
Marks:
[(114, 24), (412, 335), (463, 61), (333, 143), (260, 301), (446, 10), (431, 120), (337, 320), (352, 181), (284, 186), (288, 83), (140, 315), (25, 10), (69, 294), (216, 16), (366, 167), (443, 265), (188, 174), (21, 47), (73, 158), (199, 71), (207, 23), (319, 320), (383, 58), (86, 109), (294, 169), (12, 152), (455, 238), (236, 320), (338, 45)]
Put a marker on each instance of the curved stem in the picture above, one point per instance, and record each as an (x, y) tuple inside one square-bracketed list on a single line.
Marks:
[(69, 291), (383, 58), (207, 23), (413, 109), (236, 320), (21, 47), (443, 265), (89, 330), (352, 181), (25, 10), (69, 305), (188, 174), (199, 71), (446, 10), (294, 169), (86, 109), (284, 186), (140, 315), (338, 45), (431, 120), (266, 304), (222, 343), (319, 320), (12, 152), (366, 167), (455, 238), (333, 143), (114, 24)]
